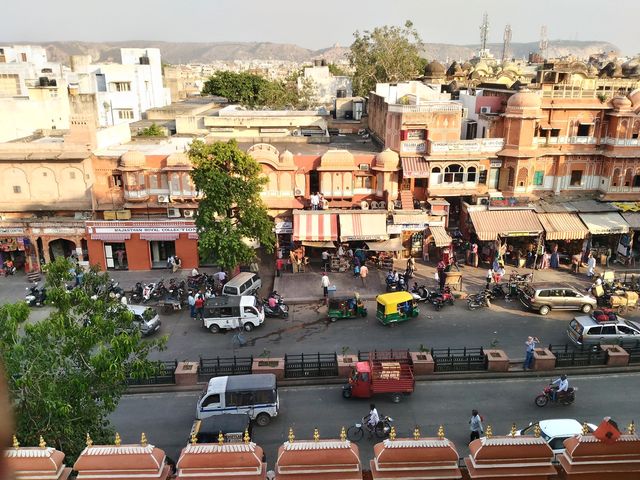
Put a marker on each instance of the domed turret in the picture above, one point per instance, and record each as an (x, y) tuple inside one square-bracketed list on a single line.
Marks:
[(621, 103), (524, 99), (635, 98), (434, 69), (178, 159), (133, 159), (286, 157), (387, 161)]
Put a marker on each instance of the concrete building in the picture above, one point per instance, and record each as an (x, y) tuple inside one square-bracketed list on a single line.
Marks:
[(123, 91), (325, 86)]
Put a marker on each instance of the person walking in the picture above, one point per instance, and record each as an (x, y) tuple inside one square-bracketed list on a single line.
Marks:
[(475, 424), (441, 274), (474, 254), (411, 265), (488, 278), (364, 271), (576, 260), (325, 285), (199, 304), (531, 347), (591, 265), (191, 300), (325, 260)]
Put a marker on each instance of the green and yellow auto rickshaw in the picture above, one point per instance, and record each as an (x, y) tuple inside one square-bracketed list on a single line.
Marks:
[(346, 307), (396, 307)]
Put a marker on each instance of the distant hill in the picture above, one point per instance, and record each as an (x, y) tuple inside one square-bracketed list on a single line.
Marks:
[(181, 52)]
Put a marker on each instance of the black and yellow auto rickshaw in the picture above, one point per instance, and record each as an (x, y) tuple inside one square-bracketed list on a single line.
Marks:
[(346, 307), (396, 307)]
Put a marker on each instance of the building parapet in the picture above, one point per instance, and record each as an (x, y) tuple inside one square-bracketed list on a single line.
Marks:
[(430, 107)]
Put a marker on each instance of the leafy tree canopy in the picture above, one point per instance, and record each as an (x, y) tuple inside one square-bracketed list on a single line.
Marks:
[(255, 91), (231, 210), (151, 131), (67, 372), (386, 54)]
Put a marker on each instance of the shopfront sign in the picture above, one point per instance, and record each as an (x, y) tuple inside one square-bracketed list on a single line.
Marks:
[(58, 231), (519, 234), (12, 231), (496, 163), (283, 227), (416, 146), (185, 229)]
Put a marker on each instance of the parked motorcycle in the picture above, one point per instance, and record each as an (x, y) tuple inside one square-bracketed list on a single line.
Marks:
[(114, 289), (36, 296), (281, 310), (561, 398), (148, 292), (521, 278), (441, 298), (137, 293), (421, 293), (479, 300)]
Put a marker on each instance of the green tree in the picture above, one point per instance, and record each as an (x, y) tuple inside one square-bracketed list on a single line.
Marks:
[(231, 210), (337, 70), (151, 131), (67, 372), (386, 54), (243, 88)]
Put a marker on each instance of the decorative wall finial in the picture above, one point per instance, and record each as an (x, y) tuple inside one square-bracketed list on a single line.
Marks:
[(392, 433), (536, 430), (416, 433), (343, 434), (513, 430), (118, 441), (88, 441), (220, 438), (585, 429), (42, 443), (489, 431), (292, 437), (631, 428), (316, 435), (194, 438), (441, 432), (246, 437), (143, 440), (16, 443)]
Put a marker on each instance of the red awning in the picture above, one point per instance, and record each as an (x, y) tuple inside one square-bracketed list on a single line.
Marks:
[(111, 237), (160, 237), (415, 167), (317, 227)]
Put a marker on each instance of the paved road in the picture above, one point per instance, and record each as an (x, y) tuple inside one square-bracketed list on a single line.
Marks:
[(166, 418)]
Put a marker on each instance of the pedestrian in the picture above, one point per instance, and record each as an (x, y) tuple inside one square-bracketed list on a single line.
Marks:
[(575, 262), (171, 262), (340, 250), (474, 254), (325, 260), (411, 265), (315, 201), (177, 264), (325, 284), (199, 304), (191, 300), (591, 265), (531, 347), (364, 270), (321, 202), (607, 257), (498, 274), (475, 423), (356, 271), (488, 279), (441, 274)]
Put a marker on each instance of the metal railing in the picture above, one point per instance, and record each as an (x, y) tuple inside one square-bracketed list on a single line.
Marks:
[(571, 356), (634, 353), (311, 365), (213, 367), (164, 375), (459, 359)]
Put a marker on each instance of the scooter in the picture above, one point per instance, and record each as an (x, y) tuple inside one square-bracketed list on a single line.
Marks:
[(421, 293), (148, 291), (393, 285), (36, 296), (281, 309), (114, 290)]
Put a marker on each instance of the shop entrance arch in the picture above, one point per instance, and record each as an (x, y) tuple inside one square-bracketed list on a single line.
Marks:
[(61, 247)]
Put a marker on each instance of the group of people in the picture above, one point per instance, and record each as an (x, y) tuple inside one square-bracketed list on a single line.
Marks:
[(318, 202)]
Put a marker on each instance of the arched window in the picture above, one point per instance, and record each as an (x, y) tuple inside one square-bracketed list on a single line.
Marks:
[(615, 179), (471, 174), (636, 179), (436, 175), (523, 174), (453, 173), (628, 177), (510, 176)]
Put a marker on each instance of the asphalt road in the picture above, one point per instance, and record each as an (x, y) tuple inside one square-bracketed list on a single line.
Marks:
[(166, 418)]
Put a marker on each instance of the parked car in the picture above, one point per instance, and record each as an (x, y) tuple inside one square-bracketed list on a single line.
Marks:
[(556, 431), (545, 297), (586, 330), (245, 283), (146, 319)]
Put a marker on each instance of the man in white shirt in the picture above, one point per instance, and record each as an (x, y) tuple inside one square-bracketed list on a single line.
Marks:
[(325, 284), (373, 419), (221, 276), (325, 260), (563, 386), (315, 201)]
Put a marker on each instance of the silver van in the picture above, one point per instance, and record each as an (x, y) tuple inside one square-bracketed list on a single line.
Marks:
[(245, 283), (255, 395)]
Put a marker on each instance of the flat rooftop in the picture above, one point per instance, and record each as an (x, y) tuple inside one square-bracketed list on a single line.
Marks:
[(353, 143)]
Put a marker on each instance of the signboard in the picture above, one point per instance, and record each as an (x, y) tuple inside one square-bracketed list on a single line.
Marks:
[(283, 227), (59, 231), (418, 146), (19, 231), (519, 234), (496, 163), (185, 229)]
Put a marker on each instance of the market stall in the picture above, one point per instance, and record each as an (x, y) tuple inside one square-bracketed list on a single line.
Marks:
[(609, 236), (564, 235)]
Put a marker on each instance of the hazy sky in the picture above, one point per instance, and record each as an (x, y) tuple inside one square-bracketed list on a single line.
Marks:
[(316, 24)]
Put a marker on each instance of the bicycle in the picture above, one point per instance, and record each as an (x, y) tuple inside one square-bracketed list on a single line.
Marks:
[(381, 430)]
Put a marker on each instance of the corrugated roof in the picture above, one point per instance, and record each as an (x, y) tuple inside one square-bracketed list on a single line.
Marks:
[(415, 167), (562, 226), (440, 236), (633, 219), (489, 224), (604, 223)]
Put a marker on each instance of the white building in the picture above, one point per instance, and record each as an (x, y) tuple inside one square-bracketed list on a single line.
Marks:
[(123, 91), (326, 86)]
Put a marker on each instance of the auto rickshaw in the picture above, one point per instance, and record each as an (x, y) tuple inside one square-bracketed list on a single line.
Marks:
[(396, 307), (346, 307)]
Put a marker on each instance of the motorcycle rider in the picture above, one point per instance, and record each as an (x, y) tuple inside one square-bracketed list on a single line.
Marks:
[(561, 388), (272, 301)]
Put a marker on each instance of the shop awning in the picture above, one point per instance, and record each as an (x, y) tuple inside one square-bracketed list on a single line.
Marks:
[(363, 226), (633, 219), (604, 223), (160, 237), (490, 224), (415, 167), (316, 227), (307, 243), (391, 245), (562, 226), (409, 219), (440, 236), (111, 237)]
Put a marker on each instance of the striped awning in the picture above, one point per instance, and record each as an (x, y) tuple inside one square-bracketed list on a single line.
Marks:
[(604, 223), (491, 224), (415, 167), (363, 226), (562, 226), (317, 227), (160, 237), (440, 236), (111, 237)]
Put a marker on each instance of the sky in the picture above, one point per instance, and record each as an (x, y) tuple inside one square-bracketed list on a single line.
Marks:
[(316, 24)]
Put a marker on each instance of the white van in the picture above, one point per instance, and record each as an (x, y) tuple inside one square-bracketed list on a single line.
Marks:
[(229, 313), (255, 395), (245, 283)]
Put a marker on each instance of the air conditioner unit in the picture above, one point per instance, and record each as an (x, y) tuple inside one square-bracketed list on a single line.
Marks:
[(298, 192), (485, 109), (173, 212), (188, 213), (163, 198)]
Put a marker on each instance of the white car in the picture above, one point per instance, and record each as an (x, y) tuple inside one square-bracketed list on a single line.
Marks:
[(556, 431)]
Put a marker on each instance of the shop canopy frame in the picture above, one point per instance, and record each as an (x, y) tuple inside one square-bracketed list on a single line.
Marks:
[(365, 226), (315, 226), (439, 236), (490, 225), (605, 223), (562, 226), (391, 245)]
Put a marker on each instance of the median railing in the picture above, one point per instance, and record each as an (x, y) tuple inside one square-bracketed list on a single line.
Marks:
[(164, 375)]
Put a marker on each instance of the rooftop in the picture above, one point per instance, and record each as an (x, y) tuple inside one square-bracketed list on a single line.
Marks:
[(353, 143)]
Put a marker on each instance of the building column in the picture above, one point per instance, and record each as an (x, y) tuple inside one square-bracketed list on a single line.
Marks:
[(45, 250), (78, 242)]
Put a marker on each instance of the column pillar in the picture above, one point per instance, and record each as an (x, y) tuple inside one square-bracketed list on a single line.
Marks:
[(45, 250)]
